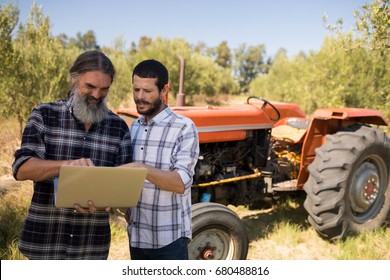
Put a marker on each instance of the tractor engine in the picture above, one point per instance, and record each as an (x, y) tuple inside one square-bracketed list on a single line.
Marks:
[(226, 171), (284, 164), (233, 163)]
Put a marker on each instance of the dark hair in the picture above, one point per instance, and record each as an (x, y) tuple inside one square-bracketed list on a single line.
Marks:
[(91, 61), (152, 69)]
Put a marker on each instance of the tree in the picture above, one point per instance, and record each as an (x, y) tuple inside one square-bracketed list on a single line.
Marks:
[(42, 69), (224, 55), (133, 48), (374, 25), (9, 16), (200, 47), (167, 52), (202, 74), (372, 38), (86, 41), (350, 69), (249, 63), (64, 39), (121, 89), (144, 41)]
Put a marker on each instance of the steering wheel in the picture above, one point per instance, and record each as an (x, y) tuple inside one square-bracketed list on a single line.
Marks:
[(265, 102)]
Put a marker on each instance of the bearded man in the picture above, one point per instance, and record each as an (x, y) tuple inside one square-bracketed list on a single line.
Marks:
[(80, 131)]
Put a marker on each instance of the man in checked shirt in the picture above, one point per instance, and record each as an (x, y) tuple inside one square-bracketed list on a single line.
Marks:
[(167, 145), (79, 130)]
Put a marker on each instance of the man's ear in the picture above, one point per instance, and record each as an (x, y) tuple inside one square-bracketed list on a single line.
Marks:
[(165, 91), (167, 87), (73, 80)]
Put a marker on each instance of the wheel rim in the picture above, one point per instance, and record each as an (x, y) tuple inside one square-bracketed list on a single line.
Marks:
[(211, 244), (367, 188)]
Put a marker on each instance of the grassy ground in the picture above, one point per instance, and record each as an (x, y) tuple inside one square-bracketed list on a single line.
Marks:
[(280, 232)]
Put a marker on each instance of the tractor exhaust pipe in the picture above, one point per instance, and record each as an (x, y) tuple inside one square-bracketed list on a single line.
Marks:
[(180, 97)]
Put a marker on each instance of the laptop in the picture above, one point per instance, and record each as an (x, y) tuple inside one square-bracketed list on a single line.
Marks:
[(105, 186)]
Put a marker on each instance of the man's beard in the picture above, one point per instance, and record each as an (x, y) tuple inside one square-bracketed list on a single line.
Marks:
[(86, 112), (154, 106)]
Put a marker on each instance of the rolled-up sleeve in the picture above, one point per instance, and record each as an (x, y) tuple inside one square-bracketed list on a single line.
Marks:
[(185, 159), (32, 142)]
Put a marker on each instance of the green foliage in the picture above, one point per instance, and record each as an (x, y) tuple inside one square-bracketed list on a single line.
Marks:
[(39, 69), (85, 41), (121, 89), (9, 15), (144, 41), (373, 23), (167, 52), (348, 70), (202, 74), (206, 77), (249, 63), (224, 55)]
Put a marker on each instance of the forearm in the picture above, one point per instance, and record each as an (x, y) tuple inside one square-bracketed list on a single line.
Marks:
[(164, 179), (39, 170)]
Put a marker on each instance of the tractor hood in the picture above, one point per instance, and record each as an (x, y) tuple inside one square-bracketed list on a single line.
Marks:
[(219, 124)]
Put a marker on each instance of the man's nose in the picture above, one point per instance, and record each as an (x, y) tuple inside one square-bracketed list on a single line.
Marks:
[(97, 93), (95, 97), (141, 93)]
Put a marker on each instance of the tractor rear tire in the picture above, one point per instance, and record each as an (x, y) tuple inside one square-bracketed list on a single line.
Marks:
[(217, 233), (348, 189)]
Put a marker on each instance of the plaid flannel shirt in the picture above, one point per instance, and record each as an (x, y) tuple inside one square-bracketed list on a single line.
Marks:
[(53, 133)]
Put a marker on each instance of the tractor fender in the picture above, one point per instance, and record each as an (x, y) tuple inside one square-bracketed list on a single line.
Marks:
[(360, 115), (329, 121)]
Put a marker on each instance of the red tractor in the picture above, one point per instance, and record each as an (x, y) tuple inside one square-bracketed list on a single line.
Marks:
[(258, 150), (339, 159)]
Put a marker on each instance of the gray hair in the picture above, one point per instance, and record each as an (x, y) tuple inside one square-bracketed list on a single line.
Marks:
[(92, 61)]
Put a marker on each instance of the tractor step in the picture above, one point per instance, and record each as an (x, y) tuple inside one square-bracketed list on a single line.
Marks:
[(285, 186)]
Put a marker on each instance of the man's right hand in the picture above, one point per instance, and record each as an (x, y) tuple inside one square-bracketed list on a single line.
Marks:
[(79, 162), (91, 208)]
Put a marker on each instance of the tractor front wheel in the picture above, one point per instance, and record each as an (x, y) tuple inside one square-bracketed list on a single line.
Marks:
[(217, 233)]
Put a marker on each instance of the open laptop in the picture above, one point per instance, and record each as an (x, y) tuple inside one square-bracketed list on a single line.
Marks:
[(105, 186)]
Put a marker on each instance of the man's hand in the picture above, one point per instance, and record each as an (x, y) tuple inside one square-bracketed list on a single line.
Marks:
[(91, 208), (80, 162)]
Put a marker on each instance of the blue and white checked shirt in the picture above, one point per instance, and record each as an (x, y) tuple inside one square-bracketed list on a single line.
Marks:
[(168, 142)]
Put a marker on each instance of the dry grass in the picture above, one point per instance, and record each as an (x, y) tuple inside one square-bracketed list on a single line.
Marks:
[(119, 243), (9, 140), (282, 233)]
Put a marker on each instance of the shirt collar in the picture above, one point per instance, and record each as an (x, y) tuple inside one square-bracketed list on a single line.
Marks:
[(68, 103), (158, 118)]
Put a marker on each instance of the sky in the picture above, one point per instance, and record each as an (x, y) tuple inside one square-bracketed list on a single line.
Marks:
[(295, 25)]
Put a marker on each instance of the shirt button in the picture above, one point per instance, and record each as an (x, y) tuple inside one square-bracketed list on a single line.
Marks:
[(71, 235), (142, 148), (146, 130)]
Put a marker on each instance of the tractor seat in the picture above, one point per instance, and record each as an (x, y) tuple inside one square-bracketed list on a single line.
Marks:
[(290, 129)]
